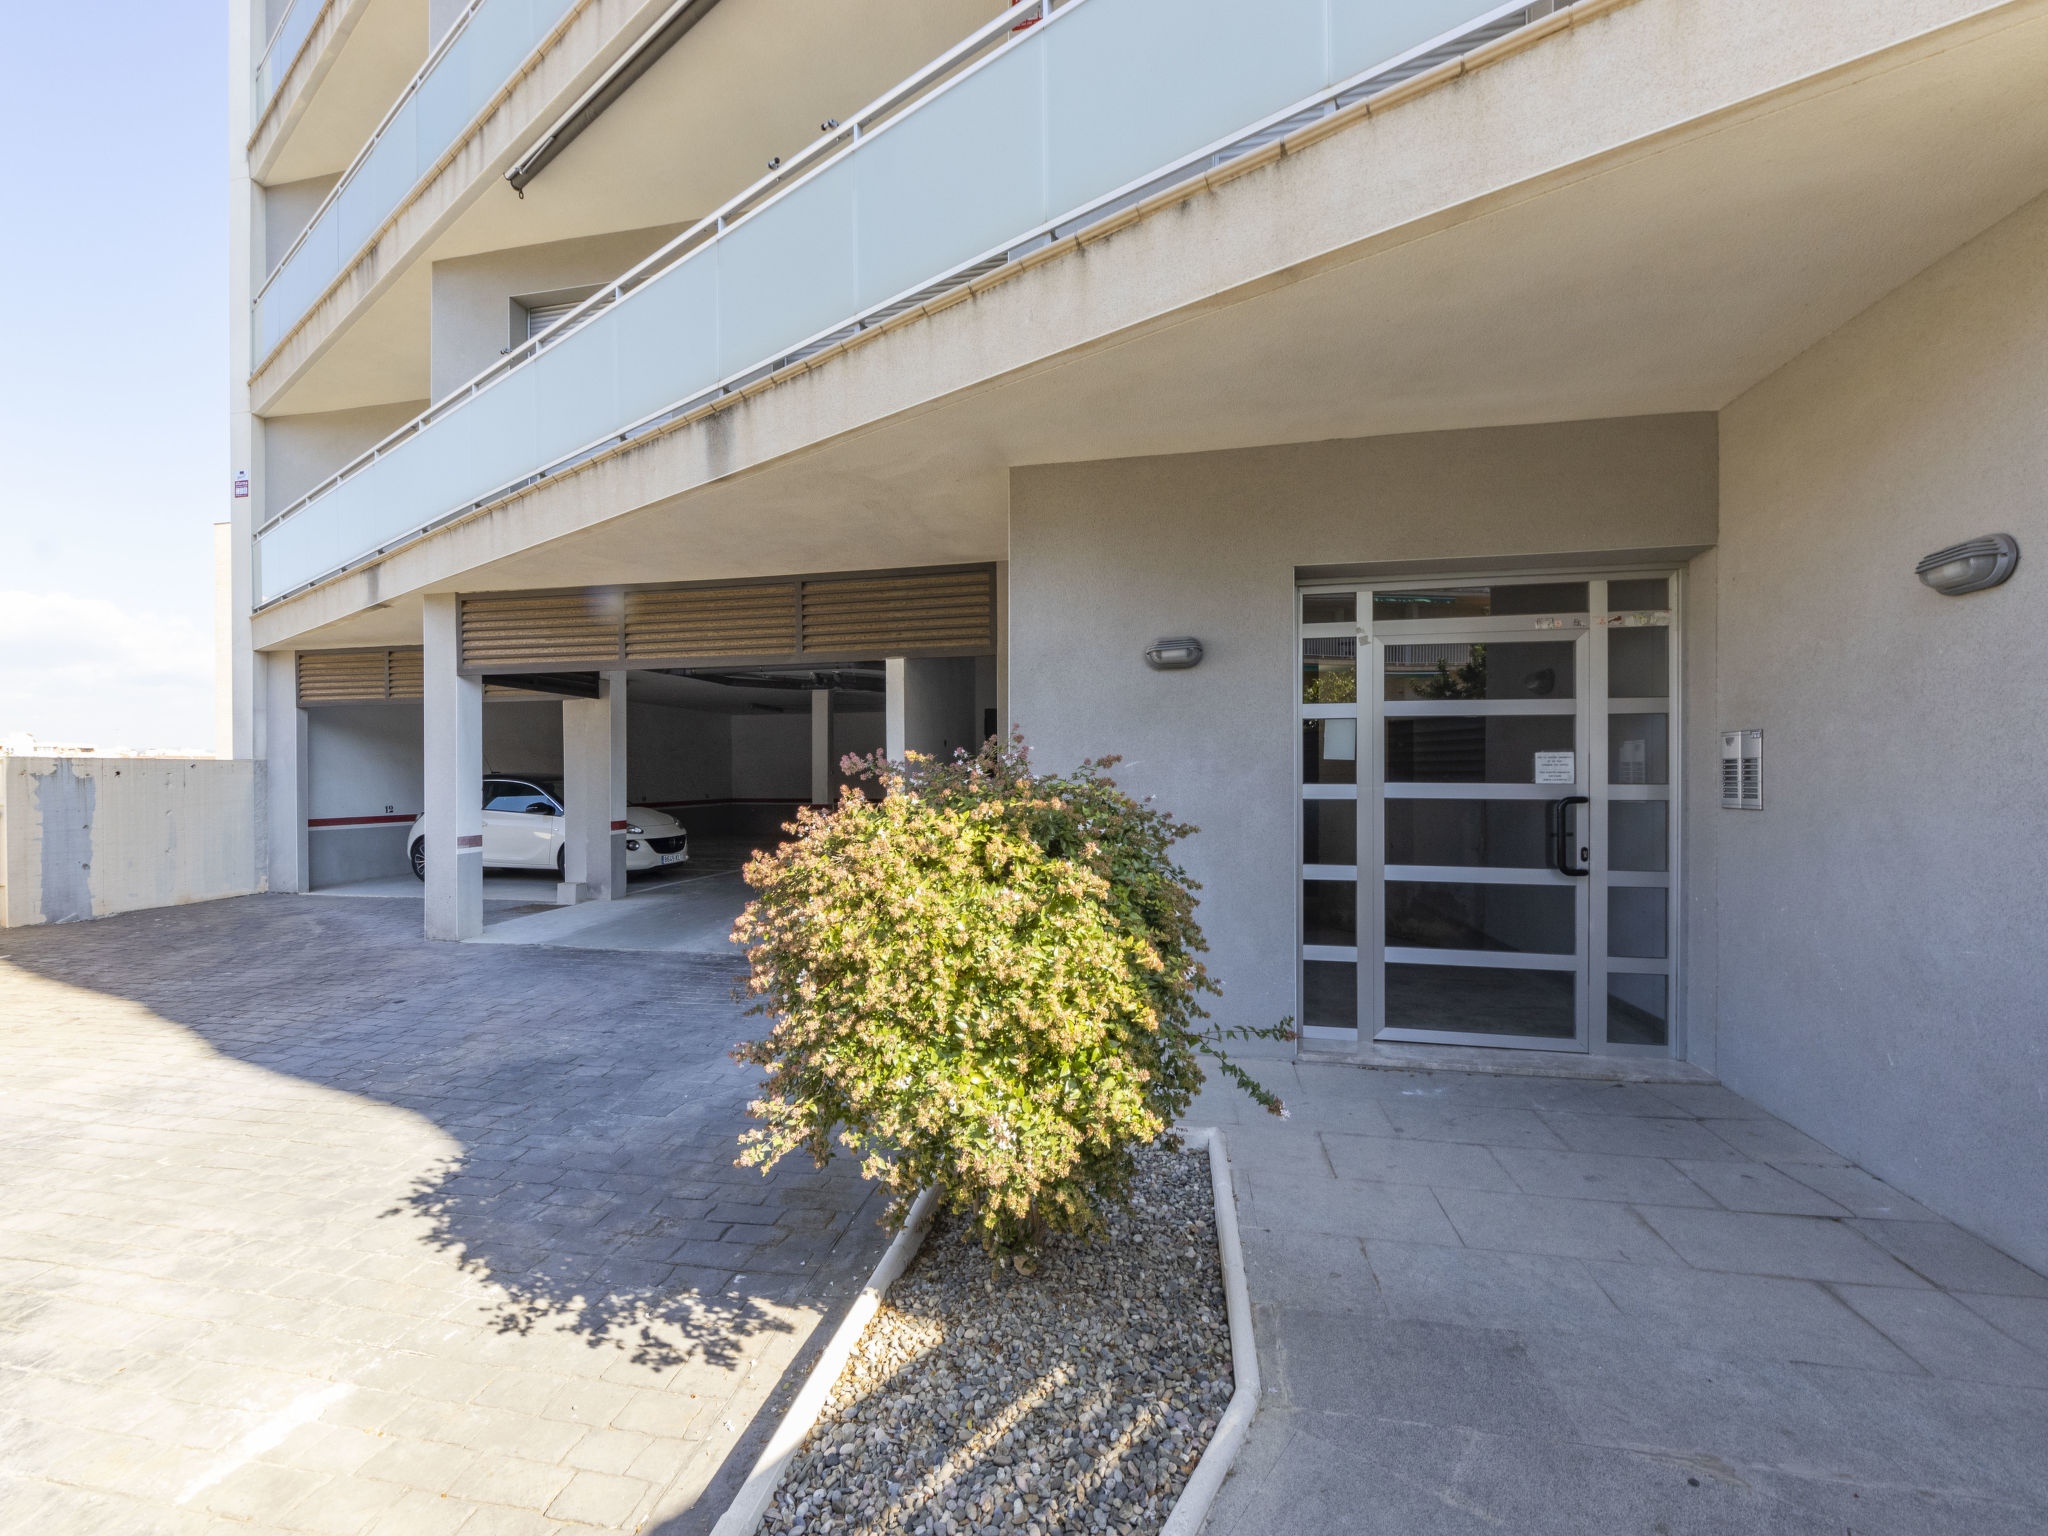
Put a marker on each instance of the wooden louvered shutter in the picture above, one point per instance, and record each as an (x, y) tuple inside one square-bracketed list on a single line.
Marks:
[(358, 677), (543, 631), (896, 615), (711, 622)]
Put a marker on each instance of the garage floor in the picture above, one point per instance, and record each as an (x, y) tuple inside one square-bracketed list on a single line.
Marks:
[(684, 910)]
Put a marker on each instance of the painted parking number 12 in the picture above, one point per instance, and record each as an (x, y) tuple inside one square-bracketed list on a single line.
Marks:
[(1557, 768)]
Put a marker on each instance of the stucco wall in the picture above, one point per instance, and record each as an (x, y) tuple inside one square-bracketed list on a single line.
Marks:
[(89, 837), (363, 762), (473, 320), (301, 451), (1107, 557), (1881, 978)]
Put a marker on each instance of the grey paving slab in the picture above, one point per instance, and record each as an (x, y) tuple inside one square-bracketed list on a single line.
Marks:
[(308, 1225), (1686, 1327), (1945, 1336), (1952, 1258), (1574, 1229), (1480, 1125), (1747, 1186), (1857, 1192), (1604, 1176), (1390, 1160), (1299, 1204), (1799, 1247)]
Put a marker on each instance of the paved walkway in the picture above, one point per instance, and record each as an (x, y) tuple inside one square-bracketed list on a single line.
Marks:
[(1511, 1305), (308, 1225)]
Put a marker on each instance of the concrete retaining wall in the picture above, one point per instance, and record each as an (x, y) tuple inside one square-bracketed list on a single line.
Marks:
[(89, 837)]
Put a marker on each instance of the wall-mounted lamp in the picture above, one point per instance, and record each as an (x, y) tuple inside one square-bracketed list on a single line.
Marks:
[(1970, 566), (1173, 655)]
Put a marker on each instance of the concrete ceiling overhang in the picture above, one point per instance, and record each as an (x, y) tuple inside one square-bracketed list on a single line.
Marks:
[(1647, 214)]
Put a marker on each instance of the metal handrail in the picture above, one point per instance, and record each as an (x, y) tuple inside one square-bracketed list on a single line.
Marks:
[(779, 180), (264, 100), (975, 50), (434, 58)]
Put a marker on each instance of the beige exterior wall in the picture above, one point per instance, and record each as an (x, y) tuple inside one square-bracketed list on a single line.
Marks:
[(473, 320), (1105, 558), (90, 837), (301, 451), (1881, 976)]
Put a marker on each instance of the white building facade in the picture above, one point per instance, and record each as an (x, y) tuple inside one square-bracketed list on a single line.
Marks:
[(1537, 413)]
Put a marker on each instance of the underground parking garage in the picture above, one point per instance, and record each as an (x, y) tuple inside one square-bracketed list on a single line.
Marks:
[(724, 706)]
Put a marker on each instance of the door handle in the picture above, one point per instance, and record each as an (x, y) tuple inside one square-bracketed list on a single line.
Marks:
[(1561, 824)]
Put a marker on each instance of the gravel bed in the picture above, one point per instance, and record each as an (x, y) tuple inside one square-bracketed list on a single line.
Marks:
[(1076, 1399)]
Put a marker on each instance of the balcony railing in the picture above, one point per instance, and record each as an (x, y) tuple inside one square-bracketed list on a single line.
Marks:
[(1050, 117), (284, 46), (472, 62)]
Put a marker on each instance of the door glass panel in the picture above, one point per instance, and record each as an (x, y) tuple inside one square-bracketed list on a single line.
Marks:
[(1329, 910), (1635, 921), (1329, 671), (1638, 1010), (1474, 834), (1639, 663), (1626, 596), (1329, 994), (1638, 749), (1475, 749), (1468, 1000), (1480, 602), (1495, 669), (1329, 831), (1522, 919), (1329, 751), (1638, 835), (1329, 607)]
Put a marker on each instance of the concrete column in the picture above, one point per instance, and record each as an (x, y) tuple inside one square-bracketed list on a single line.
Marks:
[(286, 774), (895, 678), (594, 787), (821, 746), (453, 749)]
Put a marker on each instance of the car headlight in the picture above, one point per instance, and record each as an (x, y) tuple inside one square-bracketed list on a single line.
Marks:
[(636, 831), (632, 845)]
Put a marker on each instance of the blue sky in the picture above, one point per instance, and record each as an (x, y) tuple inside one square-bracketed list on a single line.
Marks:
[(113, 382)]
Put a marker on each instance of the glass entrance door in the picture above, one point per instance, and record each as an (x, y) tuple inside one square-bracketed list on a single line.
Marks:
[(1486, 837)]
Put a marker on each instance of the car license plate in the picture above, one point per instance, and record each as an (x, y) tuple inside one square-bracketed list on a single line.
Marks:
[(671, 858)]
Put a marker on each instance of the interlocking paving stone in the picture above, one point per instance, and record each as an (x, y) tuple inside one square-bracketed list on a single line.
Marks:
[(309, 1225)]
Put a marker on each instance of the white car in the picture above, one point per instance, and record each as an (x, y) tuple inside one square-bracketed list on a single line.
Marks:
[(523, 829)]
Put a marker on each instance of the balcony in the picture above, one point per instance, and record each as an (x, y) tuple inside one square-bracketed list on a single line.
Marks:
[(1039, 123), (283, 48), (468, 68)]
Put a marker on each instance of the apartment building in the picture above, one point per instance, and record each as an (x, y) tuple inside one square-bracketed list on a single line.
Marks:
[(1540, 486)]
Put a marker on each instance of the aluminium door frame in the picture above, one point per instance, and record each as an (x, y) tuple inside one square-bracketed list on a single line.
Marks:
[(1593, 734)]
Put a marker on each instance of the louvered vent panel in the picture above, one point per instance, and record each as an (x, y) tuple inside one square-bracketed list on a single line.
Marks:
[(711, 621), (407, 673), (885, 615), (345, 677), (542, 630)]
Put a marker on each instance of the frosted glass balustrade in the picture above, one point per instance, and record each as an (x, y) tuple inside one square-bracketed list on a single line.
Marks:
[(285, 44), (441, 101), (1105, 94)]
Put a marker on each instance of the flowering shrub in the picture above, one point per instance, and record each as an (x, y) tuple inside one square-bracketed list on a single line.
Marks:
[(984, 979)]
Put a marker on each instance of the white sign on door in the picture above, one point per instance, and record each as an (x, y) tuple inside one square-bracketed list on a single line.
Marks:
[(1557, 768)]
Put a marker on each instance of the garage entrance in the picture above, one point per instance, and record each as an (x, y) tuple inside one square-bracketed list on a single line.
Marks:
[(595, 699)]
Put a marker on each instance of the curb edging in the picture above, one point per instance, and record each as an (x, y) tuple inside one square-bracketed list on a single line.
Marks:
[(743, 1516), (1191, 1509)]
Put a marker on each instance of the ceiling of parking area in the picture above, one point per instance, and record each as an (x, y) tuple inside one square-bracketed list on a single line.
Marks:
[(726, 699)]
